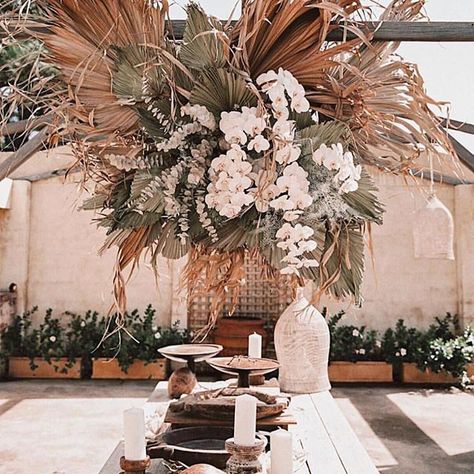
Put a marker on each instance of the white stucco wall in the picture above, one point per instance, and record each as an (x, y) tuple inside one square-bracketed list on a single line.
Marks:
[(50, 250), (396, 284)]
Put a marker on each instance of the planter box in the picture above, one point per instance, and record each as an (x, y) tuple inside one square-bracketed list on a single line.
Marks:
[(138, 370), (19, 368), (412, 374), (360, 372)]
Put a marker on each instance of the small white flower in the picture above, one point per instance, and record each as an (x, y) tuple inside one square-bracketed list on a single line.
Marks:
[(397, 354), (157, 335), (362, 351), (154, 328), (355, 333), (52, 338), (378, 343), (300, 104), (259, 144), (83, 324), (403, 352)]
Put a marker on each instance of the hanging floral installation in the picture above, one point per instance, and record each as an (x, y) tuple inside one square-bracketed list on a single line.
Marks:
[(251, 136)]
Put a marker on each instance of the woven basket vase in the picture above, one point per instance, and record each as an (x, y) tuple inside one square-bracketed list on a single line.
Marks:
[(302, 345)]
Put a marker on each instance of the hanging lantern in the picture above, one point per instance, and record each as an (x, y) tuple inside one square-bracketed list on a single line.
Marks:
[(434, 230)]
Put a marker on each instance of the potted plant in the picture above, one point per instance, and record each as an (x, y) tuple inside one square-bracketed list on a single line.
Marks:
[(356, 354), (133, 352), (444, 355), (400, 347), (83, 334), (232, 333), (39, 352)]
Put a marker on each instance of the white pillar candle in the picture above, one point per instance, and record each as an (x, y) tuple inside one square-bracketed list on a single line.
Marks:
[(245, 420), (281, 452), (134, 434), (255, 346)]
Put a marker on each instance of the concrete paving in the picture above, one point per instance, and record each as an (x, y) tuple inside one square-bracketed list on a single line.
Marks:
[(71, 427), (412, 430)]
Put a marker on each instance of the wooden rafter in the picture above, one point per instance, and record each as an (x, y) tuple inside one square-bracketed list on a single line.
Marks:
[(424, 31), (433, 31), (465, 156), (458, 126), (16, 159)]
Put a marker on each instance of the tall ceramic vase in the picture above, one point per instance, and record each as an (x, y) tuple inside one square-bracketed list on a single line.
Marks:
[(302, 345)]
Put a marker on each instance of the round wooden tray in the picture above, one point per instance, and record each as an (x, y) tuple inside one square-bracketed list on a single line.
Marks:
[(220, 404), (190, 353), (243, 367)]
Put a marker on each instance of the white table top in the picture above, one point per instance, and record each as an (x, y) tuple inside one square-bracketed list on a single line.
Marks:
[(327, 440)]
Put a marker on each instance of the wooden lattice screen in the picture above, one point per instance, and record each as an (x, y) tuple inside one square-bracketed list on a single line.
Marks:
[(259, 298)]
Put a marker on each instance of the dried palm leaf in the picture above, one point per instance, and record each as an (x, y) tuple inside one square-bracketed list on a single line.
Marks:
[(219, 90), (83, 46), (204, 42)]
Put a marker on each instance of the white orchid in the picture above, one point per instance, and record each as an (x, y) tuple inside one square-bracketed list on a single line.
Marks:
[(349, 186), (259, 144), (307, 246), (265, 189), (291, 216), (300, 104), (288, 154), (200, 114), (267, 80), (301, 200)]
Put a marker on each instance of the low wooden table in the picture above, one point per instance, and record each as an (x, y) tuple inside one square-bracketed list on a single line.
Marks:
[(325, 435)]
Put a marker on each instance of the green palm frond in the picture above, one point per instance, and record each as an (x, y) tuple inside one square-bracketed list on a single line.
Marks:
[(314, 136), (94, 203), (136, 74), (347, 260), (365, 201), (168, 244), (204, 42), (220, 90), (134, 220)]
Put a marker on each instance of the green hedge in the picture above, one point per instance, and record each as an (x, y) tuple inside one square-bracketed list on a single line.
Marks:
[(443, 347), (87, 336)]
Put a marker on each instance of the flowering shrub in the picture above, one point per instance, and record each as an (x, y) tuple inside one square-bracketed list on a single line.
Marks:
[(352, 343), (401, 344), (80, 337), (140, 339), (47, 341), (451, 355)]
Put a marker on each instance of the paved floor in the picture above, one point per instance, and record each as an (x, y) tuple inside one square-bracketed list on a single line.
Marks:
[(71, 427)]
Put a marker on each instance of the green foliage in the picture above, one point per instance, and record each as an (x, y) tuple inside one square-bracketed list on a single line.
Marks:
[(451, 355), (353, 343), (221, 90), (147, 339), (134, 76), (202, 46), (401, 344), (79, 336), (440, 348)]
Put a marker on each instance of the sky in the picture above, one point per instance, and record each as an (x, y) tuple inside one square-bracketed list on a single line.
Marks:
[(448, 68)]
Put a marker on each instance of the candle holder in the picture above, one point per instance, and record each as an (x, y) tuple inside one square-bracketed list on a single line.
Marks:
[(245, 459), (134, 467)]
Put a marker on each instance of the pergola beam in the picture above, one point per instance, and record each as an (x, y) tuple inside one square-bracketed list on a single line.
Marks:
[(464, 155), (422, 31), (23, 154), (434, 31), (458, 126)]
